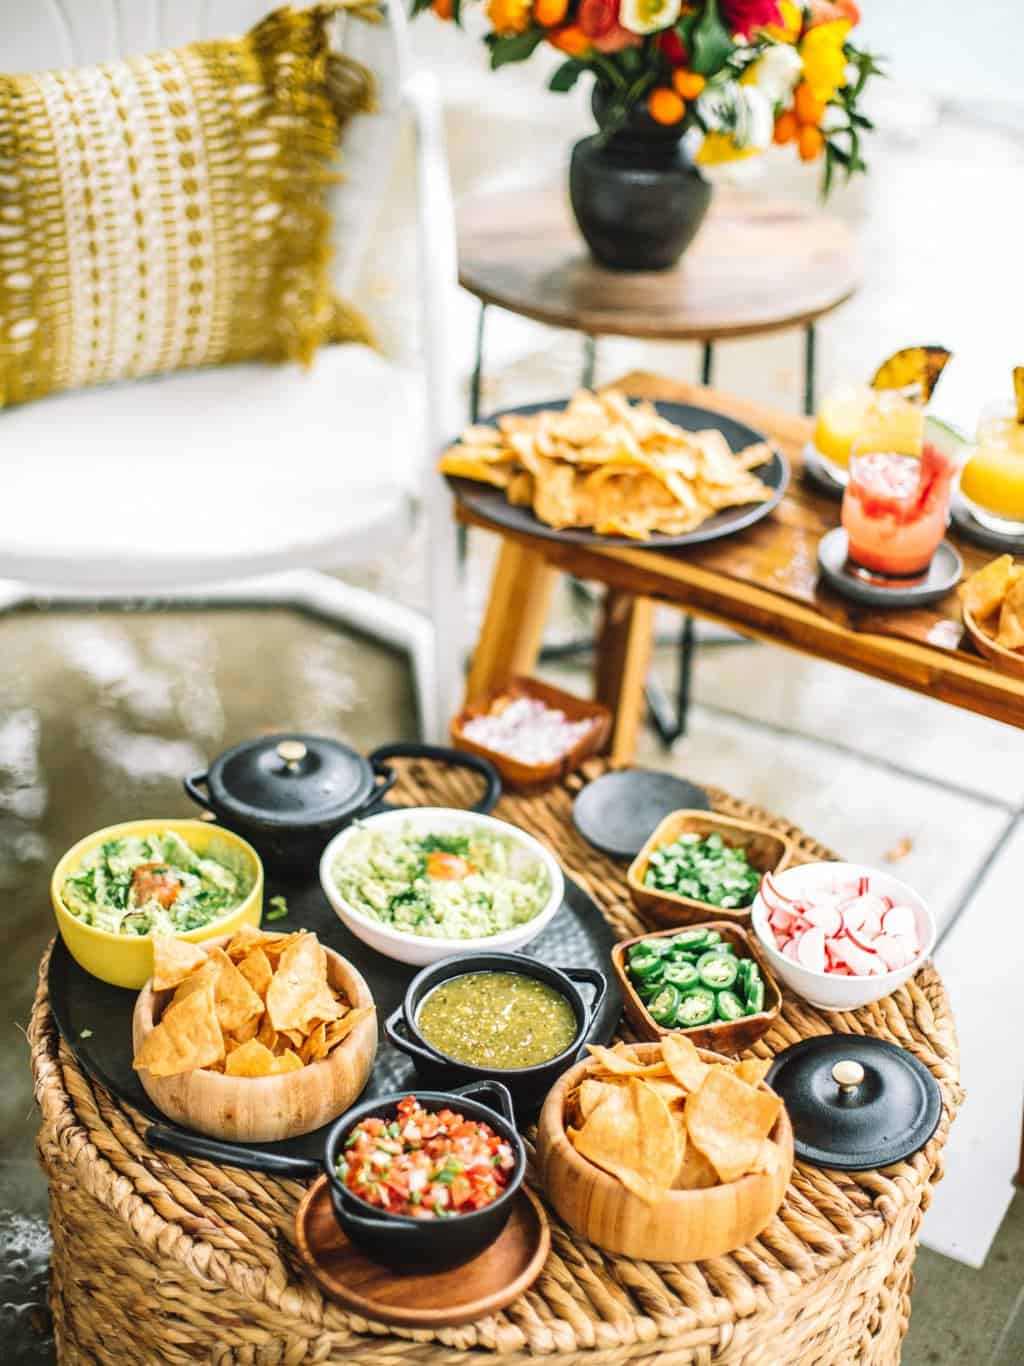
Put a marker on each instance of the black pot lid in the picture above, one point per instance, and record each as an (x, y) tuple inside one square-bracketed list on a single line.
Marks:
[(618, 811), (290, 781), (855, 1102)]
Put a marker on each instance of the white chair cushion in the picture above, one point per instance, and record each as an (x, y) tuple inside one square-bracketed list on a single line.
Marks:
[(209, 474)]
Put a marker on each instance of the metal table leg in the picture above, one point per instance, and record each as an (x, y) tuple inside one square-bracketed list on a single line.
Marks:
[(589, 360), (810, 340)]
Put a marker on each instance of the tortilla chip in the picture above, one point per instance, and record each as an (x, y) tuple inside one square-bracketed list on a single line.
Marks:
[(288, 1061), (267, 1034), (314, 1047), (728, 1121), (299, 993), (243, 1034), (984, 591), (186, 1037), (751, 1070), (255, 968), (695, 1171), (1011, 617), (684, 1062), (631, 1135), (621, 1064), (251, 1060), (337, 1031), (174, 959), (237, 1003), (915, 368), (246, 939)]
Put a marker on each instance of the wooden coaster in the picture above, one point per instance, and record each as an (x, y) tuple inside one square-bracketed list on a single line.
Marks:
[(405, 1299)]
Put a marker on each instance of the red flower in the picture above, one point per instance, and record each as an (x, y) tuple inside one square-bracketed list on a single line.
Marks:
[(672, 45), (747, 16), (599, 20)]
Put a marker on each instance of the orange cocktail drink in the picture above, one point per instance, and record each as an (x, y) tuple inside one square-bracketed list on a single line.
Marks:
[(993, 479), (851, 411)]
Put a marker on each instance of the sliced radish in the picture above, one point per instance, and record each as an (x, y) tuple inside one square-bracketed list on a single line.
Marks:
[(862, 886), (828, 919), (911, 948), (900, 920), (790, 951), (811, 950), (859, 940), (781, 920), (891, 951)]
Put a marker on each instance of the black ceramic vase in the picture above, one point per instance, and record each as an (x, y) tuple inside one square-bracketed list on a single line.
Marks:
[(637, 196)]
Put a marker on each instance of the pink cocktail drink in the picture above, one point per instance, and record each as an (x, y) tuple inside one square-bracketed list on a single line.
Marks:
[(896, 510)]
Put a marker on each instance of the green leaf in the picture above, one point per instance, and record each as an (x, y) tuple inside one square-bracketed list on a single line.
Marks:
[(514, 48), (279, 908), (566, 76), (85, 1034), (711, 44)]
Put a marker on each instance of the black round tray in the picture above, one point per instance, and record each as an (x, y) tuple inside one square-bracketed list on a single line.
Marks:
[(490, 503), (95, 1019)]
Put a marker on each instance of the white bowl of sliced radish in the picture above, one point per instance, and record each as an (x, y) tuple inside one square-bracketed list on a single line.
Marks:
[(839, 934)]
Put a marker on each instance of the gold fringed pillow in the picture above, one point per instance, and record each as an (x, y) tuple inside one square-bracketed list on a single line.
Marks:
[(167, 211)]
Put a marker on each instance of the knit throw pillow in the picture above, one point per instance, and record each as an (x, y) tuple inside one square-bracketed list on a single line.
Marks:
[(167, 211)]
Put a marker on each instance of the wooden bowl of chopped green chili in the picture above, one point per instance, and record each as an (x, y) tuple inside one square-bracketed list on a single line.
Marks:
[(698, 864), (708, 981)]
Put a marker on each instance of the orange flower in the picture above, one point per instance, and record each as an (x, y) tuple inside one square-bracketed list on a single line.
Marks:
[(571, 40), (442, 8), (810, 142), (786, 127), (549, 13), (665, 106), (688, 84), (808, 108), (509, 17)]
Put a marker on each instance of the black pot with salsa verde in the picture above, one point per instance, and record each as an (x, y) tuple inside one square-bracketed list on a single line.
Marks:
[(448, 1164), (496, 1015)]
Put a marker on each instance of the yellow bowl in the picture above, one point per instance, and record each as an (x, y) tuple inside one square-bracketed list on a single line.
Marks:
[(126, 960)]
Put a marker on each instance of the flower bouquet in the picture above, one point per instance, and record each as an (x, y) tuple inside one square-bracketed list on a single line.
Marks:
[(679, 86)]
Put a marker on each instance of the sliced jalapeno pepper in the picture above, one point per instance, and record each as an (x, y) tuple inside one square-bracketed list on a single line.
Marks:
[(664, 1005), (755, 997), (730, 1007), (693, 938), (696, 1008), (717, 971), (648, 969), (682, 974)]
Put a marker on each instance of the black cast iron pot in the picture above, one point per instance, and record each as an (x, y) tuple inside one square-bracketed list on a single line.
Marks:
[(527, 1085), (408, 1244), (290, 794)]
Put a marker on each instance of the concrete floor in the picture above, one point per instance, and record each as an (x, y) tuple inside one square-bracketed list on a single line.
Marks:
[(101, 714)]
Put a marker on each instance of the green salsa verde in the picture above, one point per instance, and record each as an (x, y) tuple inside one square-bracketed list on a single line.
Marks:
[(497, 1019)]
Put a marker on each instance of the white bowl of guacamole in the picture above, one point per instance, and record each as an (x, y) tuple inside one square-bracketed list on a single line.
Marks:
[(422, 883)]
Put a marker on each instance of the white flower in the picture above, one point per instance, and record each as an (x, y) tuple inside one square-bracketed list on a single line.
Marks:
[(777, 72), (760, 118), (648, 16), (744, 112)]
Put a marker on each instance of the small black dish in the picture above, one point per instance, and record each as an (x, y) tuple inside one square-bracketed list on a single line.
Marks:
[(618, 812), (398, 1240), (942, 577), (290, 794), (527, 1085), (855, 1102), (972, 530)]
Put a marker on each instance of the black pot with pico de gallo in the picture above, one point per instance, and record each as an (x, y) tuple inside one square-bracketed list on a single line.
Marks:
[(426, 1181)]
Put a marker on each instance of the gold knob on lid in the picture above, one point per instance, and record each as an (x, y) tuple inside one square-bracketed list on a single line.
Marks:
[(292, 752), (848, 1075)]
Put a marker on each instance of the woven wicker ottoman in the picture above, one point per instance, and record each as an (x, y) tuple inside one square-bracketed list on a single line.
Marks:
[(160, 1260)]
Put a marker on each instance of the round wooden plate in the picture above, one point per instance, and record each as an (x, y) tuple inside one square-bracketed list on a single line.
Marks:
[(1010, 661), (412, 1300)]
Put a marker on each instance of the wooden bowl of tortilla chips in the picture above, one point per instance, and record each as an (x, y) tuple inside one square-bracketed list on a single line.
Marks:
[(253, 1037), (665, 1152)]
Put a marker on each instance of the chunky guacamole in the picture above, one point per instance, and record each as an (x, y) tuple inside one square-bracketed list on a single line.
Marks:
[(457, 885), (145, 884)]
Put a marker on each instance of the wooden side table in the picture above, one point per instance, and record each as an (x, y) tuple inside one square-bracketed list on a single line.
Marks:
[(759, 265)]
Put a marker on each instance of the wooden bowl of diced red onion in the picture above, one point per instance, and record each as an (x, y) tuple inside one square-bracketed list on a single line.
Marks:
[(841, 935)]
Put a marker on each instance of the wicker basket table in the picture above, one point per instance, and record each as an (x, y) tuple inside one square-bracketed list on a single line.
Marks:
[(156, 1259)]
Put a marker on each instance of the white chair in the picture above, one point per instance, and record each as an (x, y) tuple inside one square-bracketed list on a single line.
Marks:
[(277, 473)]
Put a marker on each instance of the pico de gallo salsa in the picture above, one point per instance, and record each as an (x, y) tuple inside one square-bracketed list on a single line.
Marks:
[(424, 1164)]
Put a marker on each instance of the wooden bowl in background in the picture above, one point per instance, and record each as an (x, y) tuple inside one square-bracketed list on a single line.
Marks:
[(264, 1109), (1009, 661), (516, 773), (767, 852), (722, 1036), (684, 1226)]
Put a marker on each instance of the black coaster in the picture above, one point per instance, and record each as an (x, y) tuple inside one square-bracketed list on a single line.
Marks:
[(972, 530), (942, 577), (616, 812), (821, 474)]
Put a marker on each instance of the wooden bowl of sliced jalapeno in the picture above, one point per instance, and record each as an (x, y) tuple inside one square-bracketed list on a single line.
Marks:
[(707, 981)]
